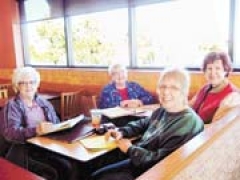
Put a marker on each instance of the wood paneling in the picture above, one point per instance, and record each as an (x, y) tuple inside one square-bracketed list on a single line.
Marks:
[(60, 80)]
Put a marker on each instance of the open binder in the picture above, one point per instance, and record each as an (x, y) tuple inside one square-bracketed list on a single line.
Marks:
[(65, 125), (73, 131)]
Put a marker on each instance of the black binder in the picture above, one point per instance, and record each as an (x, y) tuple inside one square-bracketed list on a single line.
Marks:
[(82, 129)]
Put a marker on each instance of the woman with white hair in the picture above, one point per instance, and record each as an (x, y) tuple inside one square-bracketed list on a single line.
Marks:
[(169, 127), (121, 92), (28, 115)]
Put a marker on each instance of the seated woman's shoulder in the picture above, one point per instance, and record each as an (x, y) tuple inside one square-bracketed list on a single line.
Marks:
[(231, 100)]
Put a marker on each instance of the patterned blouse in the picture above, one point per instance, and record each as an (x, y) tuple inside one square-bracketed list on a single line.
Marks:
[(110, 96)]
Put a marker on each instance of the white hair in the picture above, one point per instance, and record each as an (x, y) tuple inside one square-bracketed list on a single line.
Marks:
[(22, 72), (181, 76), (114, 67)]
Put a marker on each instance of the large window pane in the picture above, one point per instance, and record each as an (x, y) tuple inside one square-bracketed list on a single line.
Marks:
[(180, 32), (46, 43), (237, 35), (100, 38)]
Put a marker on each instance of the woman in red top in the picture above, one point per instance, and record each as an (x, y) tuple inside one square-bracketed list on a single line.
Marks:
[(216, 68)]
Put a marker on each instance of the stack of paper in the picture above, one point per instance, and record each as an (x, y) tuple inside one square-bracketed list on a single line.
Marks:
[(121, 112), (116, 112)]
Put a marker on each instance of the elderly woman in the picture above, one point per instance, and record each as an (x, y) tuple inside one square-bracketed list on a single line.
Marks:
[(121, 92), (218, 91), (28, 115), (169, 127)]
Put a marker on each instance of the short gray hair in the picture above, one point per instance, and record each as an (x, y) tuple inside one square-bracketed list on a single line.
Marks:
[(20, 73), (181, 75), (117, 66)]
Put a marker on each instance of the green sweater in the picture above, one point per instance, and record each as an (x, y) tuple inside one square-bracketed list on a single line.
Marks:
[(161, 134)]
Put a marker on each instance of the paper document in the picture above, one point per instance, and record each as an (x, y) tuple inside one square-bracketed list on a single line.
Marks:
[(98, 143), (120, 112), (116, 112), (64, 125)]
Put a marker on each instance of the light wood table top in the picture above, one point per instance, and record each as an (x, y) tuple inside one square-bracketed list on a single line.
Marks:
[(73, 150)]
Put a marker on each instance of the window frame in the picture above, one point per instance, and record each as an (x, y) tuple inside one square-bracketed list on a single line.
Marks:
[(132, 37)]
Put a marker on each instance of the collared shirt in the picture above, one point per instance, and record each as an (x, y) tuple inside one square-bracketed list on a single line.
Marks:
[(34, 114), (15, 126)]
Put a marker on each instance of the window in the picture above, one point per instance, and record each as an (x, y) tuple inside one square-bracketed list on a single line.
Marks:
[(140, 34), (98, 40), (180, 32), (46, 42)]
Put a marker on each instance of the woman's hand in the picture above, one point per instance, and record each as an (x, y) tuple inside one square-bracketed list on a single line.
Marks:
[(44, 127), (133, 103), (124, 144), (113, 133)]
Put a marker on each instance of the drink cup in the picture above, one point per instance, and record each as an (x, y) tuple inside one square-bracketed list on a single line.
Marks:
[(96, 116)]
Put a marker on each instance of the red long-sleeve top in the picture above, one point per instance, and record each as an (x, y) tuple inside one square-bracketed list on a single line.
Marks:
[(207, 103)]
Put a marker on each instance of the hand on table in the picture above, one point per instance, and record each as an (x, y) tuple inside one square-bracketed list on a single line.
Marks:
[(132, 103)]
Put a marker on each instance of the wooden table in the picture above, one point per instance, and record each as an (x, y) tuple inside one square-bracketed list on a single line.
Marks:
[(9, 171), (73, 150)]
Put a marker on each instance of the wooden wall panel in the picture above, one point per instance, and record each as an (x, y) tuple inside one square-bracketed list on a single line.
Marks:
[(72, 79)]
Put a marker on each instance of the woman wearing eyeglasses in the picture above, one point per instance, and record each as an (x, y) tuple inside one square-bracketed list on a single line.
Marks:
[(169, 127), (28, 115)]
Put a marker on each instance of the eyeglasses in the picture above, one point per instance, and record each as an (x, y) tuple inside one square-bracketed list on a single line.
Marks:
[(118, 73), (25, 83), (171, 88)]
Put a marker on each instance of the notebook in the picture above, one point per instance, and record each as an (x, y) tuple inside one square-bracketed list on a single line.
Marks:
[(82, 129)]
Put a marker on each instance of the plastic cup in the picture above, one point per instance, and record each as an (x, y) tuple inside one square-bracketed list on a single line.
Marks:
[(96, 116)]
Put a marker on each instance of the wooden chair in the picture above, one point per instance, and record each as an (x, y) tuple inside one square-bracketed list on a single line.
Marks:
[(3, 93), (88, 102), (9, 89), (70, 105)]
